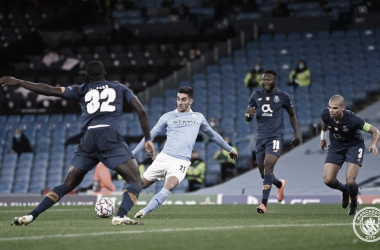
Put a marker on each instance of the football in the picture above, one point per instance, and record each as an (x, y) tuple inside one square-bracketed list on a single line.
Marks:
[(104, 208)]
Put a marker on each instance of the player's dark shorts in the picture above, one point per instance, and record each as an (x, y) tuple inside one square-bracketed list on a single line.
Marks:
[(353, 154), (104, 145), (271, 146)]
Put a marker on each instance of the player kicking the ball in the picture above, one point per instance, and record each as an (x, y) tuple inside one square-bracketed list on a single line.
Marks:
[(269, 104), (182, 126), (102, 109), (346, 144)]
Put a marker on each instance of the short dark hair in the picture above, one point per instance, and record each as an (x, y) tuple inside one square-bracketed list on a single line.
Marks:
[(270, 71), (95, 69), (186, 90)]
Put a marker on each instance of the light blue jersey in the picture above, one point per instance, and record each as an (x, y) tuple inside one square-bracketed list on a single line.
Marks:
[(182, 130)]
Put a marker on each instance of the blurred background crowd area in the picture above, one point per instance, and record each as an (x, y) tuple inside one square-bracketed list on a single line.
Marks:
[(140, 42)]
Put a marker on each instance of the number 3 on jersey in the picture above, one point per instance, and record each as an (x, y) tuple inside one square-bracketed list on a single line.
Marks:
[(93, 97), (360, 153)]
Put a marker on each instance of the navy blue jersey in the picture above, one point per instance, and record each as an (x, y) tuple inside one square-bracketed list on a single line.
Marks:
[(101, 102), (270, 112), (346, 132)]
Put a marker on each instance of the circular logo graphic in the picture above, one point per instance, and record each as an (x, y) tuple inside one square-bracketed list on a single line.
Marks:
[(366, 224)]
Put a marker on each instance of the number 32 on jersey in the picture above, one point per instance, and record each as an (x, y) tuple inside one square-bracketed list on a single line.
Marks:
[(94, 99)]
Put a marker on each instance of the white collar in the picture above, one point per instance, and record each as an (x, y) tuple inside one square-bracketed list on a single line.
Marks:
[(176, 110)]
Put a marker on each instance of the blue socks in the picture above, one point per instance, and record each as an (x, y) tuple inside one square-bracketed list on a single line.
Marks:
[(353, 192), (50, 199), (338, 185), (157, 200), (130, 196), (267, 186)]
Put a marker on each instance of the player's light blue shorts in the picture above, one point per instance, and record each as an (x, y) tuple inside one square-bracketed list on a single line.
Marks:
[(103, 144), (271, 146), (353, 154)]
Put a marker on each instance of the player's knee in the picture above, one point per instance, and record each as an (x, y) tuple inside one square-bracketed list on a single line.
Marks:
[(328, 180), (350, 182)]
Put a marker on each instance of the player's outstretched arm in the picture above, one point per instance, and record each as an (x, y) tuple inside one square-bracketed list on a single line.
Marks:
[(375, 139), (39, 88), (294, 123), (323, 142)]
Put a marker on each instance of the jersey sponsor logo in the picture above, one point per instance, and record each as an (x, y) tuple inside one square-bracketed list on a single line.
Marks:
[(259, 99), (339, 137), (345, 129), (276, 99), (267, 111), (183, 123)]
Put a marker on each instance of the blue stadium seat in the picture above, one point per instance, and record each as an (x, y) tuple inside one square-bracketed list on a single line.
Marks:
[(212, 69), (56, 118), (28, 118), (199, 76), (37, 187), (12, 119), (42, 118), (20, 187)]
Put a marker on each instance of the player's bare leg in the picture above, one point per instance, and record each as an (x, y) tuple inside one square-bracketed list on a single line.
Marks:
[(269, 163), (351, 174), (170, 183), (146, 183), (330, 173)]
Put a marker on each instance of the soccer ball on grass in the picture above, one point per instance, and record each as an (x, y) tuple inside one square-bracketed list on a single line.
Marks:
[(104, 208)]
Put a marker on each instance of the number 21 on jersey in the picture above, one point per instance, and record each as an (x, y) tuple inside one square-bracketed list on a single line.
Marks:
[(93, 97)]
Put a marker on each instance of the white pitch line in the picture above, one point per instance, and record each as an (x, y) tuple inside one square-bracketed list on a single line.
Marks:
[(168, 230), (51, 210)]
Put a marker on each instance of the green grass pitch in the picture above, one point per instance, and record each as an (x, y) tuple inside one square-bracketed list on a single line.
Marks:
[(187, 227)]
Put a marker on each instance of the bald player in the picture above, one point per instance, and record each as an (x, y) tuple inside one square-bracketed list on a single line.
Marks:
[(346, 144)]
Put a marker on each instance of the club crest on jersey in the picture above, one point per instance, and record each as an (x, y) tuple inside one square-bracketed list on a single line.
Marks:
[(194, 115), (276, 99), (345, 129), (267, 98)]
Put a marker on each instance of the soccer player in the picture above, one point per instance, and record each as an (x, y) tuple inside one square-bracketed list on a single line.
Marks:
[(269, 104), (182, 127), (102, 103), (346, 144)]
